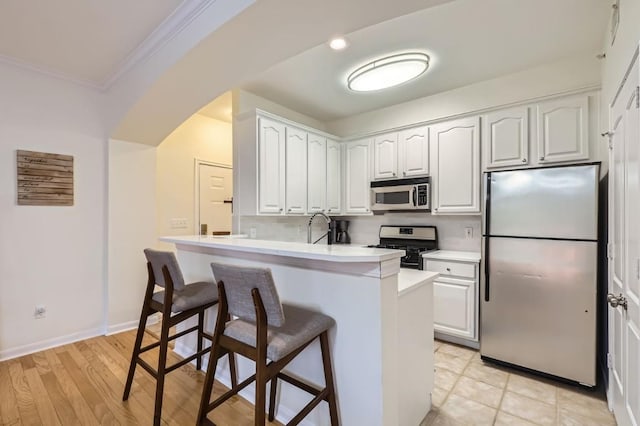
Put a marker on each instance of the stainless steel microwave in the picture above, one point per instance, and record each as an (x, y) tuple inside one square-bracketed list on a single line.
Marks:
[(401, 194)]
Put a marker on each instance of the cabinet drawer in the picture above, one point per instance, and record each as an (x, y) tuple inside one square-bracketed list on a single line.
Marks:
[(447, 269)]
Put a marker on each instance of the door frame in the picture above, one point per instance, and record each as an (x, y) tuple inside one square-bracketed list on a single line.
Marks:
[(196, 192)]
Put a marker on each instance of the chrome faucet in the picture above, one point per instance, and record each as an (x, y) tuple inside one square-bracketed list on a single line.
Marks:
[(328, 233)]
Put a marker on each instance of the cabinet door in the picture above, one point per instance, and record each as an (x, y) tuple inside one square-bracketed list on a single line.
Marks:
[(506, 138), (454, 307), (316, 173), (357, 177), (413, 148), (385, 156), (271, 177), (563, 130), (334, 179), (296, 169), (455, 166)]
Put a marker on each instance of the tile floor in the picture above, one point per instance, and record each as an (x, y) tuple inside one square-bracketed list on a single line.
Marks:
[(471, 392)]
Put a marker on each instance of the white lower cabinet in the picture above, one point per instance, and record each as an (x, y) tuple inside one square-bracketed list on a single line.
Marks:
[(455, 295)]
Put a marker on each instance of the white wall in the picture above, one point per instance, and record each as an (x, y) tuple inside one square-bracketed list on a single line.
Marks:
[(568, 75), (53, 256), (201, 138), (132, 228)]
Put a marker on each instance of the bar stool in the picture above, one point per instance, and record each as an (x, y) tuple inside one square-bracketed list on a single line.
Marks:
[(265, 329), (184, 301)]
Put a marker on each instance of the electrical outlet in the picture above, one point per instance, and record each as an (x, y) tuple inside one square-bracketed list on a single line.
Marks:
[(179, 223), (40, 312), (252, 232), (468, 232)]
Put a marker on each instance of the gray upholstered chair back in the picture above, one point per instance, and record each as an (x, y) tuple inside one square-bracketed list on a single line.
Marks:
[(238, 283), (158, 259)]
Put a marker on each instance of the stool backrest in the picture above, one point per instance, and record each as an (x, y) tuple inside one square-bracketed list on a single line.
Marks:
[(158, 260), (238, 283)]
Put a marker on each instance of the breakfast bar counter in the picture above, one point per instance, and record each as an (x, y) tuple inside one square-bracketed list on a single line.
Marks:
[(382, 344)]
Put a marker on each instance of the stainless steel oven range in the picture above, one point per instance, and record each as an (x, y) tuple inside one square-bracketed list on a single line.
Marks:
[(414, 240)]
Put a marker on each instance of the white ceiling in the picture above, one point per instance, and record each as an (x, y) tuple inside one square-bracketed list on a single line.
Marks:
[(82, 40), (219, 108), (468, 41)]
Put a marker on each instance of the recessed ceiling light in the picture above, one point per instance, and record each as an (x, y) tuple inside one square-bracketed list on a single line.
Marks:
[(338, 43), (388, 72)]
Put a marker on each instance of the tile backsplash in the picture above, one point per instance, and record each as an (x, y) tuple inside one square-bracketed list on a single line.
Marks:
[(364, 229)]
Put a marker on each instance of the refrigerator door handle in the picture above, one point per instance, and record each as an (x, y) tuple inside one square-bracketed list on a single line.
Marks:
[(487, 229)]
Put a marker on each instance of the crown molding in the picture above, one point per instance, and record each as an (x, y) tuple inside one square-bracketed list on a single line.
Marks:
[(14, 62), (173, 25)]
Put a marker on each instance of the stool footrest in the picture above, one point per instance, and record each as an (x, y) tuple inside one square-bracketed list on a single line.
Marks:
[(310, 406), (147, 367), (228, 394), (186, 360), (295, 382)]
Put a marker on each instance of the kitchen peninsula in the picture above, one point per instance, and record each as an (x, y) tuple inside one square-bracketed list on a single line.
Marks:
[(382, 345)]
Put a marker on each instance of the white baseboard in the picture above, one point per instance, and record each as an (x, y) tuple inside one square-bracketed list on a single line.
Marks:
[(129, 325), (49, 343)]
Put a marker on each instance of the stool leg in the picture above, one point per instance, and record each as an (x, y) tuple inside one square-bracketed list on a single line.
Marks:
[(208, 385), (272, 399), (146, 311), (162, 363), (232, 370), (328, 377), (261, 385), (200, 338)]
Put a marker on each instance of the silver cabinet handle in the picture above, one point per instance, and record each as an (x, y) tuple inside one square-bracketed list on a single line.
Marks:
[(289, 210), (394, 174), (281, 209), (524, 160), (542, 158), (404, 173)]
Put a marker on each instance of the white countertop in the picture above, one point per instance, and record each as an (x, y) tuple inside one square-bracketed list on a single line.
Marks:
[(410, 279), (461, 256), (330, 253)]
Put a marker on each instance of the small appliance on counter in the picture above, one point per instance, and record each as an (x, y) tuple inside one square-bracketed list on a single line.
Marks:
[(341, 232), (414, 240)]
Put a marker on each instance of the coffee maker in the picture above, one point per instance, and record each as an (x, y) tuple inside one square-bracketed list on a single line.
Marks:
[(340, 232)]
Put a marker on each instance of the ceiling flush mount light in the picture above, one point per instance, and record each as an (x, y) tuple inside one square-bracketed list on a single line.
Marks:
[(338, 43), (388, 72)]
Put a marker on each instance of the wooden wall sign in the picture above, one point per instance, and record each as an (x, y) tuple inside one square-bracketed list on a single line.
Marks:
[(44, 179)]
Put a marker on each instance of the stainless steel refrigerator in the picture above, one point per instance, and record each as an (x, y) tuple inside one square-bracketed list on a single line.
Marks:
[(540, 245)]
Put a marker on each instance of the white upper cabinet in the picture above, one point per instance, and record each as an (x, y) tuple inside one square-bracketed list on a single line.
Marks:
[(334, 180), (296, 171), (413, 149), (385, 156), (455, 166), (505, 138), (357, 182), (316, 173), (563, 129), (271, 175)]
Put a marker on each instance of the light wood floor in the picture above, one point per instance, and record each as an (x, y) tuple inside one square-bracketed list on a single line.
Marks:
[(82, 384)]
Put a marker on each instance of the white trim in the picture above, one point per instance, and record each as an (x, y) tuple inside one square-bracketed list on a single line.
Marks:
[(49, 343), (49, 73), (129, 325), (196, 190), (173, 25)]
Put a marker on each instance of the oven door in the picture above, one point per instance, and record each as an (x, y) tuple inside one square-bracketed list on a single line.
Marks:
[(402, 197)]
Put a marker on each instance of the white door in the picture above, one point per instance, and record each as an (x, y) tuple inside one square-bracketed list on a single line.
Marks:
[(357, 177), (271, 177), (215, 199), (296, 171), (563, 130), (413, 148), (316, 173), (455, 166), (334, 176), (624, 251), (385, 156), (505, 138)]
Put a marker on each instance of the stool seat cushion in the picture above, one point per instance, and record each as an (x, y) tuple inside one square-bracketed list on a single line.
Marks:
[(191, 296), (300, 326)]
